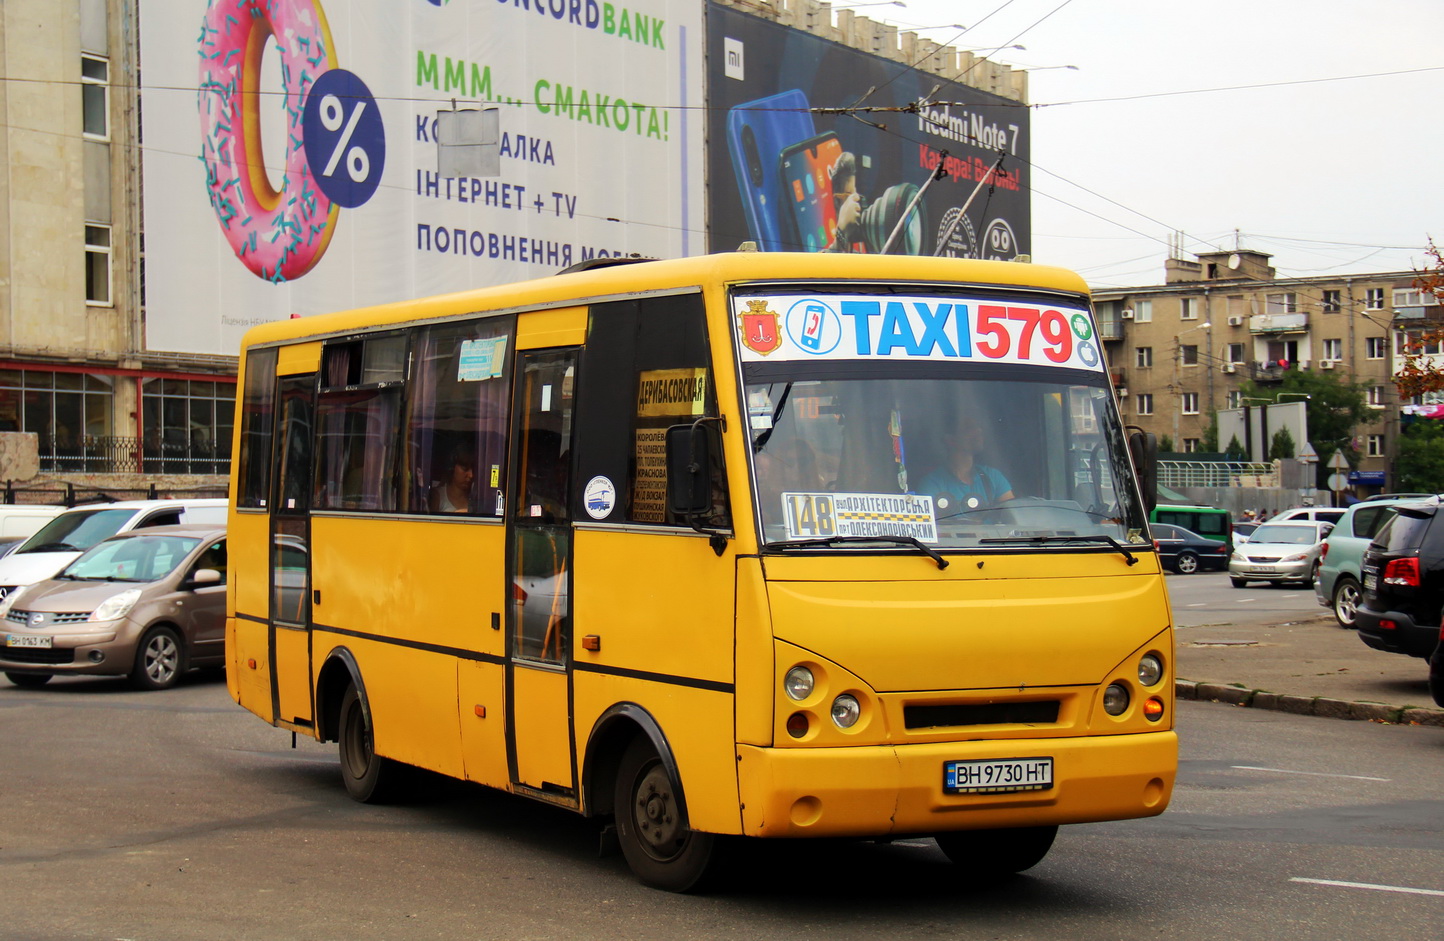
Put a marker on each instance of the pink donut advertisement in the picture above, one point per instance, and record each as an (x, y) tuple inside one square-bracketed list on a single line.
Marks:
[(293, 165)]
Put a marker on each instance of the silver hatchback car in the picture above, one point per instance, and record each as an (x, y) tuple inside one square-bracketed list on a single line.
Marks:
[(148, 604), (1279, 552)]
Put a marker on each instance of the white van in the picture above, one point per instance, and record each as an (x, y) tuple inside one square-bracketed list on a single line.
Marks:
[(61, 541), (20, 520)]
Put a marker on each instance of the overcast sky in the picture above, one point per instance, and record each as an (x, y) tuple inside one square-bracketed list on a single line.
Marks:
[(1328, 152)]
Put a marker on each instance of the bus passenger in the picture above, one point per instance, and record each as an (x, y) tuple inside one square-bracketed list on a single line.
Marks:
[(963, 483), (454, 494)]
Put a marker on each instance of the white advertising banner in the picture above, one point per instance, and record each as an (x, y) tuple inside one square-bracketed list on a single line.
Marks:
[(291, 159)]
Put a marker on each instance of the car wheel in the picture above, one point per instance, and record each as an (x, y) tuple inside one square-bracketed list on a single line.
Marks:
[(1238, 582), (661, 849), (160, 660), (28, 680), (1436, 675), (993, 853), (369, 778), (1346, 602), (1186, 563)]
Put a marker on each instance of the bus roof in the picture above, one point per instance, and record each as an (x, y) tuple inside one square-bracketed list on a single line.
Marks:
[(715, 270)]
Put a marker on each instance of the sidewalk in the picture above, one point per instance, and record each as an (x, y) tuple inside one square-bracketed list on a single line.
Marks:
[(1309, 667)]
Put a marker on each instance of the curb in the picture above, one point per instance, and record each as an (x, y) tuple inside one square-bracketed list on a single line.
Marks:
[(1309, 705)]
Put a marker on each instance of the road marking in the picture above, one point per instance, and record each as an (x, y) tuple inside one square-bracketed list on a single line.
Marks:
[(1368, 885), (1314, 774)]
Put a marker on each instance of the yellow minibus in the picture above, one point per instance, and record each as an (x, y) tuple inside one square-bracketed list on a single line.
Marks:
[(744, 545)]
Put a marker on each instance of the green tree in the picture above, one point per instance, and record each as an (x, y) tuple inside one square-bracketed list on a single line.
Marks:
[(1165, 444), (1283, 445), (1419, 466), (1210, 434), (1334, 407), (1234, 450)]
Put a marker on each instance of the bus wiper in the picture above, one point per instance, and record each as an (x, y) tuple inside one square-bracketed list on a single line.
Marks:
[(761, 441), (913, 541), (1045, 540)]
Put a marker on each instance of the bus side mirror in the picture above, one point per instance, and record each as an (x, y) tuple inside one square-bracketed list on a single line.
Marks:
[(689, 463), (1143, 445)]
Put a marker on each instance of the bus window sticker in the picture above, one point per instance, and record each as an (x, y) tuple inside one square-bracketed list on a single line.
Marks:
[(859, 515)]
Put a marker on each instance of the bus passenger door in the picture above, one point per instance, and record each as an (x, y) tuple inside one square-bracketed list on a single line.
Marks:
[(290, 626), (539, 555)]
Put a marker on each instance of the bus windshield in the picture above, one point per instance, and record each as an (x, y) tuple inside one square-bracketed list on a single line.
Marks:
[(956, 455)]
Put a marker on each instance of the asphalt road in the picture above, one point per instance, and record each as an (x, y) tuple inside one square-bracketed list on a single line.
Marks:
[(1207, 598), (176, 815)]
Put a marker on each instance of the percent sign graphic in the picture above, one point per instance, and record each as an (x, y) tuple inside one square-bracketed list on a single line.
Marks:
[(344, 137)]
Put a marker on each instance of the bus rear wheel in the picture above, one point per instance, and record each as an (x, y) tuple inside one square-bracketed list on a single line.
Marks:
[(661, 849), (369, 778), (996, 853)]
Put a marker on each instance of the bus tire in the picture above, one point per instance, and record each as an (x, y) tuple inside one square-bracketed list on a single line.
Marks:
[(661, 849), (28, 680), (369, 778), (994, 853)]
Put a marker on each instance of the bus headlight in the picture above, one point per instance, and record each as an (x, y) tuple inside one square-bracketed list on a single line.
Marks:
[(1150, 669), (1115, 699), (798, 683), (846, 711)]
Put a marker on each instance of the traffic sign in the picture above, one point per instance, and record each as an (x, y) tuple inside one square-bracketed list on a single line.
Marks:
[(1338, 482), (1338, 462)]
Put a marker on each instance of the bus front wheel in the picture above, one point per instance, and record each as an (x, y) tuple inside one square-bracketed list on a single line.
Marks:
[(992, 853), (660, 848), (369, 778)]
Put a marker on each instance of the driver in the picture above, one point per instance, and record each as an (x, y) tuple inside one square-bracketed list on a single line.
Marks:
[(963, 483)]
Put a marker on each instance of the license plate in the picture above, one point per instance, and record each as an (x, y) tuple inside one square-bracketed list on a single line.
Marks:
[(1370, 580), (28, 640), (997, 775), (1262, 570)]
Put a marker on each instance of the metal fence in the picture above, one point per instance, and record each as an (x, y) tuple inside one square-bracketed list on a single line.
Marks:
[(72, 495), (1175, 474), (120, 454)]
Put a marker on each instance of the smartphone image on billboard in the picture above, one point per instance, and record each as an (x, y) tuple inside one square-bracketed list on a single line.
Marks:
[(807, 182), (811, 336), (757, 134)]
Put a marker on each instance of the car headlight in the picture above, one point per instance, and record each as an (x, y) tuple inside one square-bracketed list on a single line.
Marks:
[(116, 606), (10, 600), (1296, 557)]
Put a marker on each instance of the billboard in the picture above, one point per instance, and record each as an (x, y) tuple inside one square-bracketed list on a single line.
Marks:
[(816, 146), (291, 160)]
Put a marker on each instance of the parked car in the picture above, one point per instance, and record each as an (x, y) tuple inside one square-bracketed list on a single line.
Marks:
[(61, 541), (1185, 551), (1436, 671), (1309, 514), (1340, 580), (1279, 552), (150, 604), (1242, 531), (1403, 579)]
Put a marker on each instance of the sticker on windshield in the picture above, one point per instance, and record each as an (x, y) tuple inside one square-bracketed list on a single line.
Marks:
[(913, 328), (825, 515)]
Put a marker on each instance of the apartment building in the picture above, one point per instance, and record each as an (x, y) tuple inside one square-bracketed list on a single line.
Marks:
[(75, 369), (1180, 351)]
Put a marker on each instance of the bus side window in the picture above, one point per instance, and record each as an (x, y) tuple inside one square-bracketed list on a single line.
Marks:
[(645, 368), (455, 438)]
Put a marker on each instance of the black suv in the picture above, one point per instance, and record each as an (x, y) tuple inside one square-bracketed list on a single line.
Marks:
[(1403, 571)]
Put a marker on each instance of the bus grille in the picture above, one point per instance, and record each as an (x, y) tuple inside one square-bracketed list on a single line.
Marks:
[(993, 713)]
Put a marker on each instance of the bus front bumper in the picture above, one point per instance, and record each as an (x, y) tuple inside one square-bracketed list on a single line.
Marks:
[(875, 791)]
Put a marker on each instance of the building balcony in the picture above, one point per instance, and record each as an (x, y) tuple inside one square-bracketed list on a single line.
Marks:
[(1278, 323)]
